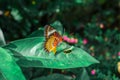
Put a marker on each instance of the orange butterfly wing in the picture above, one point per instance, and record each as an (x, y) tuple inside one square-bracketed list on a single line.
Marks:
[(53, 39)]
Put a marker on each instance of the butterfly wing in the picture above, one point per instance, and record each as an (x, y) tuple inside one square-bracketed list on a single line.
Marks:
[(48, 31), (53, 38), (50, 44)]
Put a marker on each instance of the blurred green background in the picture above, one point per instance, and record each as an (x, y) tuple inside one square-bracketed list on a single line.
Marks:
[(95, 21)]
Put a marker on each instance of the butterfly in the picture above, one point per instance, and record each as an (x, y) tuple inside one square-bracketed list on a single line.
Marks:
[(52, 39)]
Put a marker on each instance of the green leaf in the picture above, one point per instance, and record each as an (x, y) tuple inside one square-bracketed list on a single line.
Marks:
[(30, 53), (84, 75), (37, 33), (81, 73), (55, 77), (2, 40), (9, 69)]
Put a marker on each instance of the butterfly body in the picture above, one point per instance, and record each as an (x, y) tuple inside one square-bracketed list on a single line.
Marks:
[(53, 39)]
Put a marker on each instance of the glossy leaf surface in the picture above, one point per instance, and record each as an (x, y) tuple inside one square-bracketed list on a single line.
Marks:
[(30, 53)]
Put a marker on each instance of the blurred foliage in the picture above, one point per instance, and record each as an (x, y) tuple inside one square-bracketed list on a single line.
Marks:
[(23, 17), (9, 70), (98, 21)]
